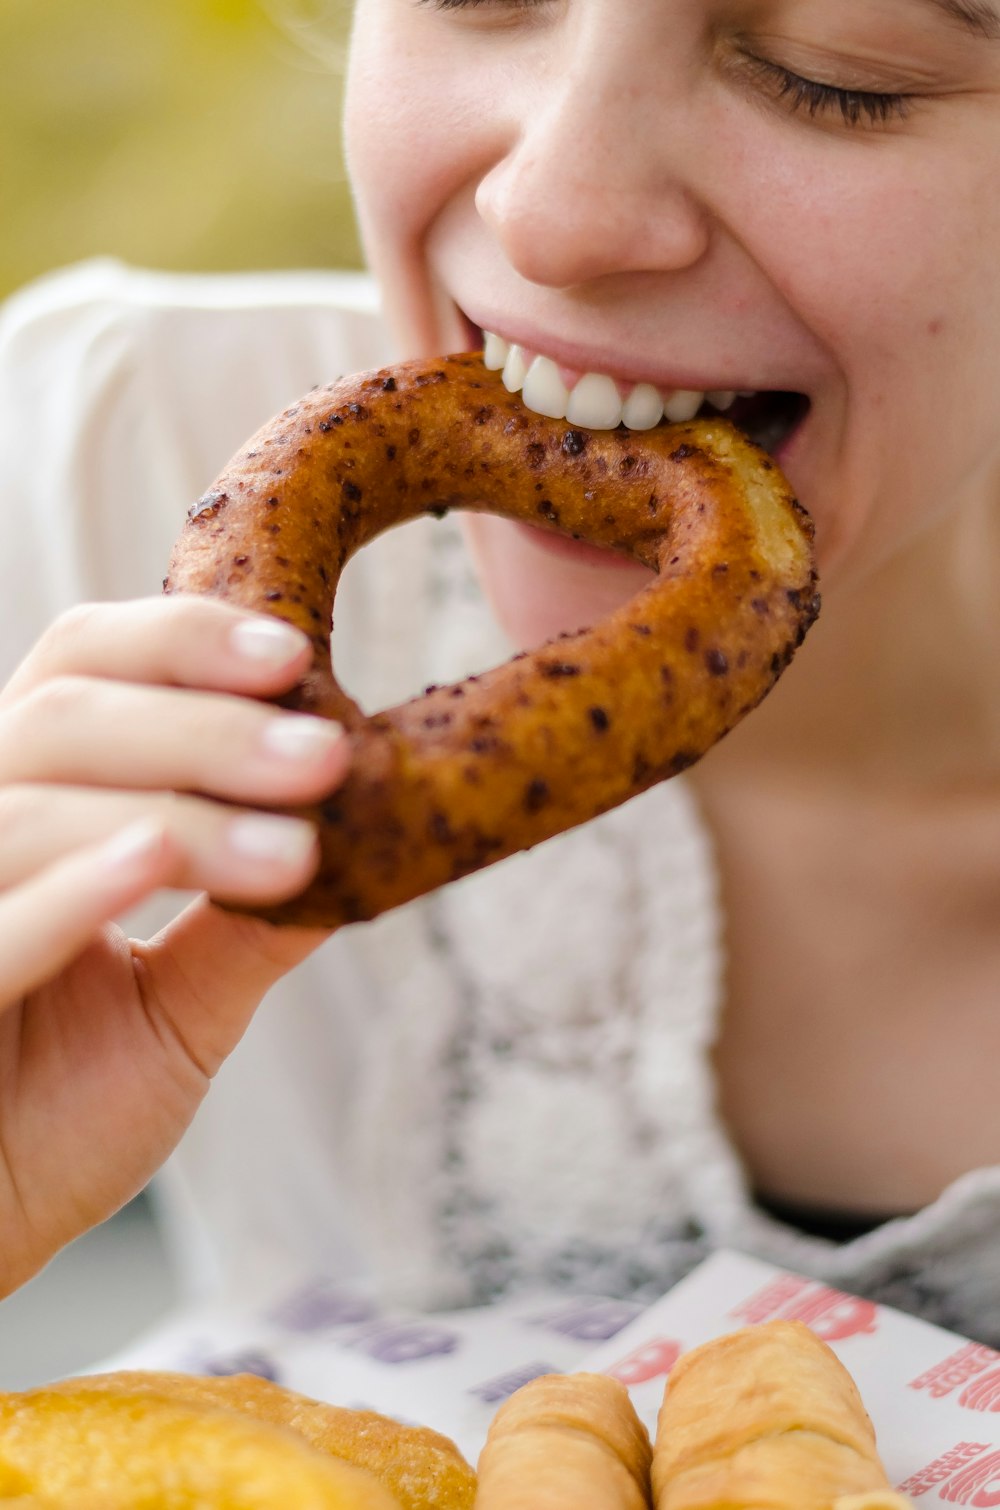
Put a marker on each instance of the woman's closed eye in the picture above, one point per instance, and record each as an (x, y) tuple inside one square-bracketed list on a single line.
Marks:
[(855, 106), (840, 105), (506, 5)]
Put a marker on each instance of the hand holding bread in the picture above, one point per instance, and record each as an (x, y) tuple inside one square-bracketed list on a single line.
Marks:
[(192, 743)]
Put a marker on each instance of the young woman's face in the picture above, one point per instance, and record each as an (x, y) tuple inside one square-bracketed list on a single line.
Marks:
[(776, 197)]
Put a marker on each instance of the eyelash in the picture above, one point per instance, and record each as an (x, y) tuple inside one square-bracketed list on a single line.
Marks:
[(855, 105), (513, 5)]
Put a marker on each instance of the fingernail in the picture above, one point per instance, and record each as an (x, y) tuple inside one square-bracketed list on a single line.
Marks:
[(301, 738), (131, 845), (259, 836), (268, 642)]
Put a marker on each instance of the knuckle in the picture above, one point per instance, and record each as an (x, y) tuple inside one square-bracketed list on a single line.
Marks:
[(65, 632), (57, 700)]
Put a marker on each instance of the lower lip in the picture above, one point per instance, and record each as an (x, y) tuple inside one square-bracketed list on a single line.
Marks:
[(568, 549)]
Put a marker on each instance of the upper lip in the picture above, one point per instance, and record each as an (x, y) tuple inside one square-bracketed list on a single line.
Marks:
[(580, 358)]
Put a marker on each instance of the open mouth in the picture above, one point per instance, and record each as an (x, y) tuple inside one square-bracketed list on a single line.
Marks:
[(595, 401), (768, 418)]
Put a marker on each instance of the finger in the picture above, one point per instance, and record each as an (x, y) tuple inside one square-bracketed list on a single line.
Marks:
[(185, 641), (238, 855), (208, 970), (84, 730), (48, 920)]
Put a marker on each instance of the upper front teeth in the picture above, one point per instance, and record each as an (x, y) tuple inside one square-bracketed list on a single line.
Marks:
[(643, 408), (494, 351), (542, 390), (594, 402)]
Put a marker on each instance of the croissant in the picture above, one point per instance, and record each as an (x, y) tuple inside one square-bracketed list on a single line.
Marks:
[(766, 1418), (566, 1442)]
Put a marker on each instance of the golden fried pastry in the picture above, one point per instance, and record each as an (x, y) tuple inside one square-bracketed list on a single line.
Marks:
[(77, 1449), (766, 1418), (468, 774), (32, 1502), (566, 1442), (421, 1468)]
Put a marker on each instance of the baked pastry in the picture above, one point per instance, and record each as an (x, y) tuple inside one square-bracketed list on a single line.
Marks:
[(766, 1418), (566, 1442), (163, 1441), (468, 774)]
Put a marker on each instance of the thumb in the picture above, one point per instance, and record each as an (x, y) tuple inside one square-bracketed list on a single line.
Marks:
[(207, 971)]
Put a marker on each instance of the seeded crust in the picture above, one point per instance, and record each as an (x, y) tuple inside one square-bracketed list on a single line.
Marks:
[(466, 775)]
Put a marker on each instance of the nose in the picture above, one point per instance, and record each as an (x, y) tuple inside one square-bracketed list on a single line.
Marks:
[(598, 177)]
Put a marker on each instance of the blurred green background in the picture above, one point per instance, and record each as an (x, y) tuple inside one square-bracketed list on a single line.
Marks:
[(183, 134)]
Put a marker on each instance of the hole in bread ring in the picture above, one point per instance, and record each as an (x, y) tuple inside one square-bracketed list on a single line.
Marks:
[(465, 775)]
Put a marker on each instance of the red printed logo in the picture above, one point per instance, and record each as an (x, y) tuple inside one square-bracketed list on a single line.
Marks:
[(957, 1369), (653, 1360), (772, 1300), (967, 1476), (831, 1314), (979, 1484), (984, 1394)]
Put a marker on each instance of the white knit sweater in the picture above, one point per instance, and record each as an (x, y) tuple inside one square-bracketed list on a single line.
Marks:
[(508, 1082)]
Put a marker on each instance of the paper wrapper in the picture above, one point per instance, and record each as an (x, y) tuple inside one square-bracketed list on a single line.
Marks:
[(934, 1397)]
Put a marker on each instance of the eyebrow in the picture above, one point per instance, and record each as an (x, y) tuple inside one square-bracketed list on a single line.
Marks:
[(977, 16)]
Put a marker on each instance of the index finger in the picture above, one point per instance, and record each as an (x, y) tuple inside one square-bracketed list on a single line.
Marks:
[(184, 640)]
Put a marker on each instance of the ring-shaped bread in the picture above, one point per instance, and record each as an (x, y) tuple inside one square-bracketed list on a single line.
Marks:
[(469, 774)]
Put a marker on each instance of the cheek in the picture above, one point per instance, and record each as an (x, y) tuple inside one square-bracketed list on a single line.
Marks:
[(410, 124), (414, 140), (378, 118), (886, 249)]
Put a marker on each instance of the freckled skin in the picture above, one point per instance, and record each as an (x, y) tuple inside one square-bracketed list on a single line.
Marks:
[(463, 776)]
